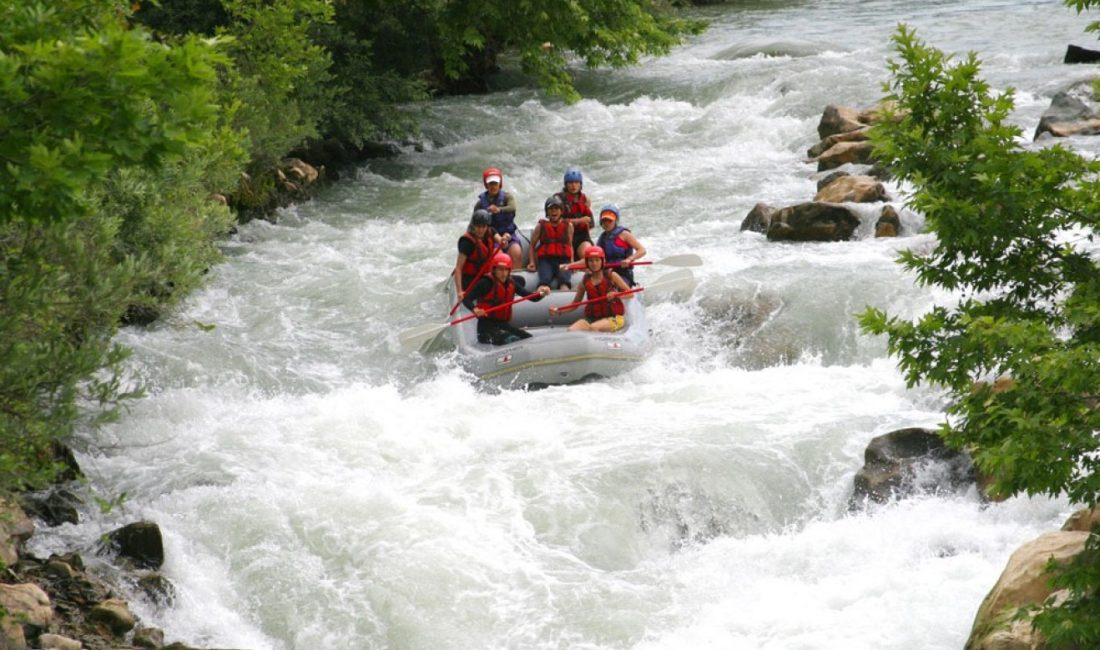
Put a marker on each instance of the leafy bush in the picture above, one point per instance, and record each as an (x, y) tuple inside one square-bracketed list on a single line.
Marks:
[(1012, 228), (458, 42), (370, 101), (62, 294), (84, 101), (279, 81)]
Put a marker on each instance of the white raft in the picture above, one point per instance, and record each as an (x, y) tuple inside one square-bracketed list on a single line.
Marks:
[(552, 354)]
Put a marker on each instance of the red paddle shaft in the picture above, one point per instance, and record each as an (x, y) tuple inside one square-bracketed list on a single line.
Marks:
[(495, 307), (618, 294)]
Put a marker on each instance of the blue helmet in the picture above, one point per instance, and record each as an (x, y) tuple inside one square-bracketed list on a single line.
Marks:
[(612, 208), (573, 174)]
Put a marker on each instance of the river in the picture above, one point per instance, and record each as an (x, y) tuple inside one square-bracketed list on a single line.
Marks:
[(319, 487)]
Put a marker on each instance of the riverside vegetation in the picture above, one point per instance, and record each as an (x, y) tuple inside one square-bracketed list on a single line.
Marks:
[(1019, 353)]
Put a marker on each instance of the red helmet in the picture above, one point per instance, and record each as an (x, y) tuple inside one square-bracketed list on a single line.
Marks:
[(502, 259), (594, 251), (491, 172)]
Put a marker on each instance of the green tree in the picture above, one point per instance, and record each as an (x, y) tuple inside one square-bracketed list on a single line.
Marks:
[(306, 67), (278, 83), (79, 101), (1084, 5), (84, 99), (352, 70), (1014, 230), (460, 41), (373, 98)]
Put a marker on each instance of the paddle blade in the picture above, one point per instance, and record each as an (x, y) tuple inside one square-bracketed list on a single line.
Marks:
[(413, 338), (447, 282), (682, 280), (685, 260)]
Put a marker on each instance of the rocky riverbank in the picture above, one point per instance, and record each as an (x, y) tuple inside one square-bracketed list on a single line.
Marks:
[(59, 602), (914, 460)]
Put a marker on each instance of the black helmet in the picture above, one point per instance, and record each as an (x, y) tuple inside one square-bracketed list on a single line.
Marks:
[(552, 201), (480, 218)]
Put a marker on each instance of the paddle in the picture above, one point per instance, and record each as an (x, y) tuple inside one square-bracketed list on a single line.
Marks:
[(687, 259), (675, 281), (413, 338)]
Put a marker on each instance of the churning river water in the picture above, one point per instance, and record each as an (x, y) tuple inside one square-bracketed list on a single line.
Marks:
[(320, 487)]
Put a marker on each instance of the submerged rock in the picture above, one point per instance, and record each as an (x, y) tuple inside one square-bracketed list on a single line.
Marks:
[(889, 222), (158, 589), (906, 461), (1073, 111), (54, 506), (759, 218), (140, 543), (1078, 54)]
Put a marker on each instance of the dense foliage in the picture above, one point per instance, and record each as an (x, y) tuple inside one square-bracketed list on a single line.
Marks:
[(384, 54), (1019, 352), (544, 34), (101, 125)]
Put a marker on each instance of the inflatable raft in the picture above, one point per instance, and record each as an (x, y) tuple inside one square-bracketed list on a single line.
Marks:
[(552, 355)]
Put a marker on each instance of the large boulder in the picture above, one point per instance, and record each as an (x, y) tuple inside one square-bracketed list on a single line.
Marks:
[(1073, 111), (852, 189), (844, 124), (909, 460), (813, 222), (825, 180), (1024, 581)]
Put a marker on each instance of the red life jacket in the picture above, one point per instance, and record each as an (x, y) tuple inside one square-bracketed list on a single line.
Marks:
[(576, 206), (483, 250), (601, 308), (552, 240), (500, 294)]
